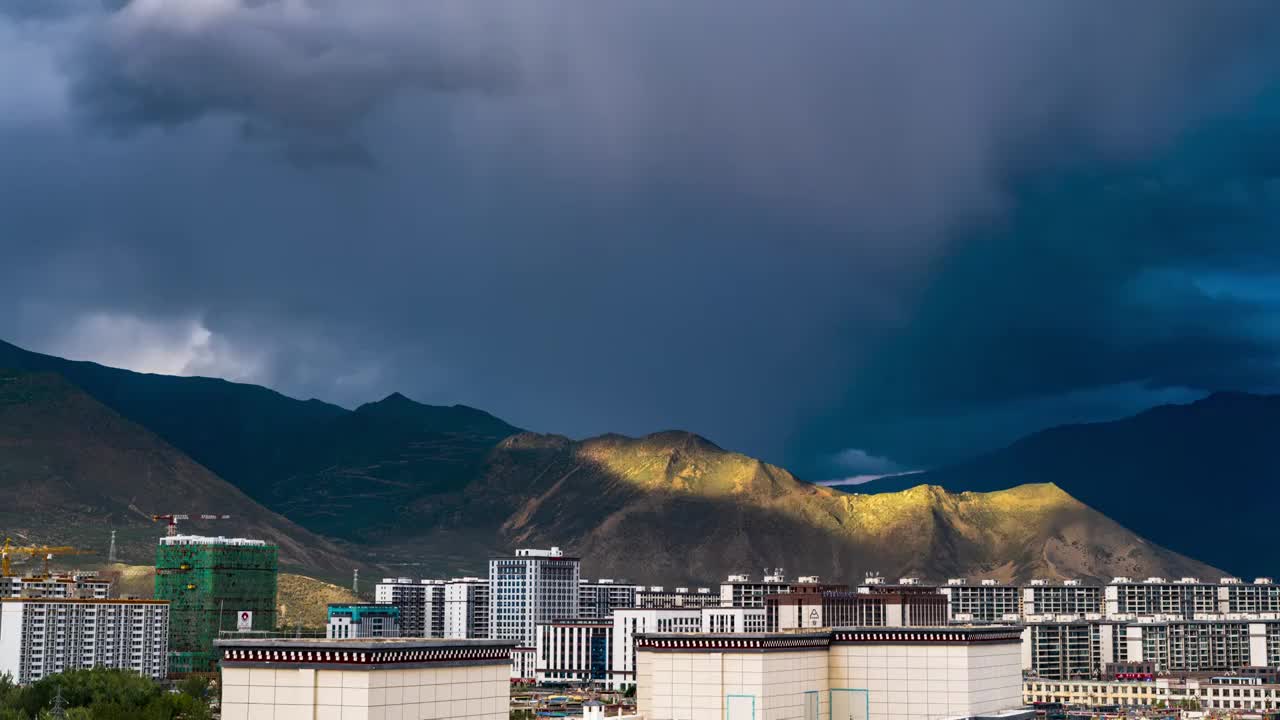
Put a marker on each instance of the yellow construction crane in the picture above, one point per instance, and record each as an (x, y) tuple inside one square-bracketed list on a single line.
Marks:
[(9, 550)]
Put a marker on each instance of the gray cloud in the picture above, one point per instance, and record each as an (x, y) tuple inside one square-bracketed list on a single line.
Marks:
[(751, 220)]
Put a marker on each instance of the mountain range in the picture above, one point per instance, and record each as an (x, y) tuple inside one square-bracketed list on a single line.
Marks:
[(72, 470), (1199, 478), (427, 490)]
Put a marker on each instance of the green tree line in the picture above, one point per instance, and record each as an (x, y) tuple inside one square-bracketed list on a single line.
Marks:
[(101, 694)]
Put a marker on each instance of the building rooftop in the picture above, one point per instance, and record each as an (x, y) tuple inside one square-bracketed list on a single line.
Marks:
[(203, 540), (397, 643), (84, 601)]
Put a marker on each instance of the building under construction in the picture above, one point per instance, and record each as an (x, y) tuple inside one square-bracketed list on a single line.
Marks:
[(213, 584)]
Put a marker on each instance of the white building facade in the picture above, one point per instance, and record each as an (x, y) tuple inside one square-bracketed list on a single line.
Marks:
[(466, 608), (42, 637), (986, 601), (529, 588), (597, 599), (858, 674), (574, 652), (627, 624), (78, 585), (340, 680), (421, 603)]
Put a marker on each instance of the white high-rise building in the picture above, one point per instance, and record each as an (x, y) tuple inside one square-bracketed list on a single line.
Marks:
[(46, 636), (531, 587), (421, 603), (466, 608)]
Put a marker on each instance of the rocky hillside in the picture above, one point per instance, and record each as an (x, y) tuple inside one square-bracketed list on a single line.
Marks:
[(71, 470), (1165, 473), (675, 507), (437, 490)]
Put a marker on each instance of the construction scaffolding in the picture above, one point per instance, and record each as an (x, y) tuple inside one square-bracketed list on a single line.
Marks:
[(211, 584)]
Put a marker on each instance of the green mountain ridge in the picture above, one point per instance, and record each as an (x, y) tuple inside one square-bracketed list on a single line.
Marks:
[(72, 470), (437, 490)]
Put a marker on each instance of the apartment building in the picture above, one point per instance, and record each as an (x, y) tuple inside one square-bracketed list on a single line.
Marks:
[(1186, 596), (466, 608), (1068, 597), (1207, 693), (530, 588), (421, 604), (45, 636), (73, 585), (987, 601), (1078, 648), (657, 597), (743, 592), (598, 599), (1067, 647), (1260, 596)]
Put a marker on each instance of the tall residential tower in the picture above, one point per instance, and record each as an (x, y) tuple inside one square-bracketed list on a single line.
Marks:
[(531, 587)]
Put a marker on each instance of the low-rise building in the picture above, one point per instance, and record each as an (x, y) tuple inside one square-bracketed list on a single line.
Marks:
[(574, 651), (359, 621), (44, 636), (658, 597), (1206, 693), (524, 665), (627, 624), (384, 678), (733, 620), (871, 673)]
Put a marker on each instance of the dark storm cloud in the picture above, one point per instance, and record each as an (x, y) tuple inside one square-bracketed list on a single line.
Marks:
[(734, 218), (303, 73), (1146, 280)]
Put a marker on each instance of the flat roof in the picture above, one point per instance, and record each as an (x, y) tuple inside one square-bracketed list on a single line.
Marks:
[(85, 601), (360, 644), (207, 540)]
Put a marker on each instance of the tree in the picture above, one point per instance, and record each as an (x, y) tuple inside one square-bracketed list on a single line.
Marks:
[(102, 694)]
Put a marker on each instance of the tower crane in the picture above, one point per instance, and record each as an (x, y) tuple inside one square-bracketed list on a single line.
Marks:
[(9, 550), (173, 518)]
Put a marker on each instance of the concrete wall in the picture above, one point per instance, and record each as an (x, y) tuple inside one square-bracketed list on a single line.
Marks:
[(447, 693), (728, 686), (860, 681)]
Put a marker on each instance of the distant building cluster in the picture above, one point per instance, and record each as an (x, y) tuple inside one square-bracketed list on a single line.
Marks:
[(805, 648)]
